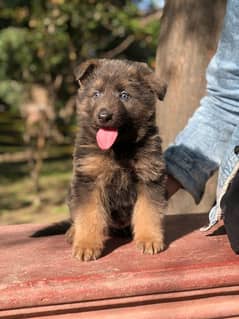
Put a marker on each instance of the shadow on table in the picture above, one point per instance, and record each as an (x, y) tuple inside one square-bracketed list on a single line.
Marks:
[(176, 226)]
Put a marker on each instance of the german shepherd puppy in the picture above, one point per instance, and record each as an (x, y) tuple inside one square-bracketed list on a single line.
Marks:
[(118, 170)]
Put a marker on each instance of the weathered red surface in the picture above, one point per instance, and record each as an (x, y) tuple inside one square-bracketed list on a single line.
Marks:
[(194, 271)]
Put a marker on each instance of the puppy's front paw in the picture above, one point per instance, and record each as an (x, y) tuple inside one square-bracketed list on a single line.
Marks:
[(87, 251), (150, 245)]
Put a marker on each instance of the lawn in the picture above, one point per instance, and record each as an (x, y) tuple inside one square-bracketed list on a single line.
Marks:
[(19, 204)]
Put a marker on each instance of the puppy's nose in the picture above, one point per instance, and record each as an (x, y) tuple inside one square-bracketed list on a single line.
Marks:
[(104, 115)]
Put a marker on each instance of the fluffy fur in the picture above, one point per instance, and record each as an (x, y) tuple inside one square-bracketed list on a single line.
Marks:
[(124, 185)]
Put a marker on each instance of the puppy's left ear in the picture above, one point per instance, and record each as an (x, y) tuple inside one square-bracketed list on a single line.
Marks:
[(157, 85)]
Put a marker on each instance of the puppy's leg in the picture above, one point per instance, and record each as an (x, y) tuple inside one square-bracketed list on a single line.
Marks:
[(88, 232), (147, 221), (70, 234)]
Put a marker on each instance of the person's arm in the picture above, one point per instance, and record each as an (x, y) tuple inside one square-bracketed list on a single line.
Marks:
[(199, 149), (172, 186)]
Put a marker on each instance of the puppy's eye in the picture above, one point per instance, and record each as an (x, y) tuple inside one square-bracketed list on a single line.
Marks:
[(96, 94), (124, 96)]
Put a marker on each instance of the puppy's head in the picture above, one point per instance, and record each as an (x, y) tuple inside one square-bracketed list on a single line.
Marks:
[(117, 99)]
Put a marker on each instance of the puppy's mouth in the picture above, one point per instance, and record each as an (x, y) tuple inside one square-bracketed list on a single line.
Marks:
[(106, 137)]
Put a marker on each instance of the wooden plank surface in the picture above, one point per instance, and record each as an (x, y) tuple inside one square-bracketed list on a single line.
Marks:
[(41, 272)]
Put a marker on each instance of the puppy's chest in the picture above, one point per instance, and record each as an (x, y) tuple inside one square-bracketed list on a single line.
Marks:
[(119, 197), (117, 181)]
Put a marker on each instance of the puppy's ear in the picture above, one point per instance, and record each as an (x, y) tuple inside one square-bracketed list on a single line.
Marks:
[(158, 86), (83, 71)]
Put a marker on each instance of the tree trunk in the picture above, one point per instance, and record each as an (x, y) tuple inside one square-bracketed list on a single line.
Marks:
[(188, 39)]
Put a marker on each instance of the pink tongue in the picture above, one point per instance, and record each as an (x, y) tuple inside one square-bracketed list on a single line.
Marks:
[(106, 138)]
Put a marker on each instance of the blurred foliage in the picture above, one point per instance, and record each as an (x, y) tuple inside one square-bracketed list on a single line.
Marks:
[(42, 40)]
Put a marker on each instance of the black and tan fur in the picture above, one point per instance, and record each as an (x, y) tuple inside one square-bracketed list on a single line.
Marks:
[(125, 185)]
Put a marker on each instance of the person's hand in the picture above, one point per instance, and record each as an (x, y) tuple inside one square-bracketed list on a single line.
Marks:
[(172, 186)]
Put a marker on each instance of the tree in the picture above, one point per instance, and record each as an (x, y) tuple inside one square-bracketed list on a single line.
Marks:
[(188, 39)]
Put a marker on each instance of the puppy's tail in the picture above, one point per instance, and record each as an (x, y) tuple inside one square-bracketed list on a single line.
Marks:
[(54, 229)]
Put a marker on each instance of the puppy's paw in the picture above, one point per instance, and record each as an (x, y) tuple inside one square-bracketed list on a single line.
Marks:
[(150, 245), (87, 251)]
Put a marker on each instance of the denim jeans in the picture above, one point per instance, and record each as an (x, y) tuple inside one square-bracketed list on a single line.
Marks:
[(208, 140)]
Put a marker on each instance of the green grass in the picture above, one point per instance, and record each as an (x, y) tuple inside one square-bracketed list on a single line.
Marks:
[(19, 203)]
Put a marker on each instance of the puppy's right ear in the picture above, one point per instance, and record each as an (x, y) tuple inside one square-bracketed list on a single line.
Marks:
[(83, 71)]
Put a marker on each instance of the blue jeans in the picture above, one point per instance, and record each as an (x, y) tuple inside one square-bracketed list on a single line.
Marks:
[(208, 140)]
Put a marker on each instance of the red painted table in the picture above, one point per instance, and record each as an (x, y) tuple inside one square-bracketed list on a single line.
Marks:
[(197, 276)]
